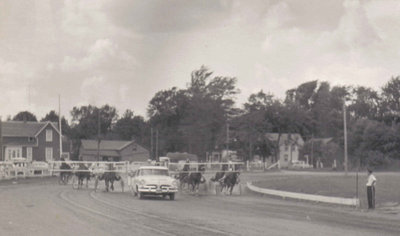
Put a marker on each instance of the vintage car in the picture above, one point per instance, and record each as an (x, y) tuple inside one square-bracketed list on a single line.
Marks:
[(152, 180)]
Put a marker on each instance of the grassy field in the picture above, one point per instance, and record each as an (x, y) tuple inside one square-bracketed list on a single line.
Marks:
[(337, 185)]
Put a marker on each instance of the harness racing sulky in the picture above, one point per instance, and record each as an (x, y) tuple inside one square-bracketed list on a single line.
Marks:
[(189, 176)]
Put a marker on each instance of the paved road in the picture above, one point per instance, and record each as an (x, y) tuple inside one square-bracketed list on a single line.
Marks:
[(42, 207)]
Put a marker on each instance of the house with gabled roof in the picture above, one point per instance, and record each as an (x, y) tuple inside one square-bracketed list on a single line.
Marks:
[(289, 146), (34, 141), (112, 150)]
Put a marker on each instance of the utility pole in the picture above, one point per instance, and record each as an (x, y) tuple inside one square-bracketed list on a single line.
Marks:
[(312, 150), (227, 139), (151, 143), (98, 134), (345, 138), (59, 124), (157, 159)]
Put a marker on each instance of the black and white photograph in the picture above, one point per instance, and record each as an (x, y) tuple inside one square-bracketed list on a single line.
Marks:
[(199, 117)]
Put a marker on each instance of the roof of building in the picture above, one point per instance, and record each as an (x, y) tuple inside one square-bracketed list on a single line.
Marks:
[(286, 137), (108, 153), (23, 128), (105, 144), (181, 156), (322, 140)]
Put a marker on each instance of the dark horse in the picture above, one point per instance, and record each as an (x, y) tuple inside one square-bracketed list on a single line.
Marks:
[(64, 175), (230, 180), (109, 177), (183, 176), (196, 178), (83, 173), (219, 175)]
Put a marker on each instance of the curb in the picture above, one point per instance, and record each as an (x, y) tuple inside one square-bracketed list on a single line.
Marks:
[(303, 196)]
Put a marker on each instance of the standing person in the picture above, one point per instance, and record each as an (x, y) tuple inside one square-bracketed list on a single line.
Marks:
[(371, 182)]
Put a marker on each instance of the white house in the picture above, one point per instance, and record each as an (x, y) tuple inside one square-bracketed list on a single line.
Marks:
[(289, 146)]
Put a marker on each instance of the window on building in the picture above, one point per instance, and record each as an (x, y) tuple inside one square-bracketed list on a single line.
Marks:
[(49, 154), (286, 157), (49, 135), (286, 148), (13, 152), (29, 153)]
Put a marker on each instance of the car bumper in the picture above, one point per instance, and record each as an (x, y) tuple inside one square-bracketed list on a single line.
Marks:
[(147, 190)]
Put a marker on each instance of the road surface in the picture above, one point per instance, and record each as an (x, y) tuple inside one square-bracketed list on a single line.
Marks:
[(42, 207)]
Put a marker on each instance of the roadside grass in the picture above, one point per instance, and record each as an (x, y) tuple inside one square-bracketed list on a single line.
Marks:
[(387, 188)]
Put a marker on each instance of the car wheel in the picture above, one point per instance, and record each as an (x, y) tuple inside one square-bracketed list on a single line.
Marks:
[(172, 196)]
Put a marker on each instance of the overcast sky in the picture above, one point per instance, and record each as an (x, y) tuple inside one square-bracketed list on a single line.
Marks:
[(123, 52)]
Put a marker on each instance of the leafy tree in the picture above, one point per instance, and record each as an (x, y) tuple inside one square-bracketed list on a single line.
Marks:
[(303, 94), (259, 101), (130, 127), (365, 103), (368, 138), (194, 118), (24, 116), (166, 110), (209, 108), (390, 106), (85, 120), (85, 124)]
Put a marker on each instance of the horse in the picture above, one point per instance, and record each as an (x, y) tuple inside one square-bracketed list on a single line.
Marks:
[(64, 175), (219, 175), (109, 177), (230, 180), (196, 178), (183, 176), (83, 173)]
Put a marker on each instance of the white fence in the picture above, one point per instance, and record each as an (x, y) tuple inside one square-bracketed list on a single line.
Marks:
[(21, 169)]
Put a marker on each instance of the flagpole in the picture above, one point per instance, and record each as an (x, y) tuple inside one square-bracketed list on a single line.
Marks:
[(345, 138), (59, 124)]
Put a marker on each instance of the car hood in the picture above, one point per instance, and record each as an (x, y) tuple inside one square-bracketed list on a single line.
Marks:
[(157, 179)]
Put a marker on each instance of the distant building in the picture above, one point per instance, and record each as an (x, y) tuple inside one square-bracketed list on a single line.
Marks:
[(181, 156), (35, 141), (289, 146), (323, 152), (113, 150)]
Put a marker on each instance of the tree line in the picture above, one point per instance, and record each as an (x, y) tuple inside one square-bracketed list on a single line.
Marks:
[(198, 119)]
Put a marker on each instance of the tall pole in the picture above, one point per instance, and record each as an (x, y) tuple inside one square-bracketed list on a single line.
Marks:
[(157, 145), (345, 139), (312, 150), (98, 134), (151, 143), (227, 136), (59, 124)]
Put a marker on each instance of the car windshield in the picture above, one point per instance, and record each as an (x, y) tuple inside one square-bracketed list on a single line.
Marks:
[(154, 172)]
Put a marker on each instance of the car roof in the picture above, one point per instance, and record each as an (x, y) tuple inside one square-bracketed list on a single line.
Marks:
[(153, 167)]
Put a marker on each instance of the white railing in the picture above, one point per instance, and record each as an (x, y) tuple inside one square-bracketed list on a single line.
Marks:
[(22, 169)]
